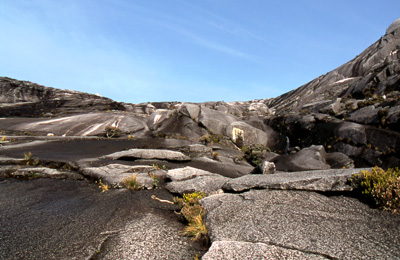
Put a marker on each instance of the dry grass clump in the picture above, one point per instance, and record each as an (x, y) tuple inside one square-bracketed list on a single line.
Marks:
[(131, 183), (193, 213)]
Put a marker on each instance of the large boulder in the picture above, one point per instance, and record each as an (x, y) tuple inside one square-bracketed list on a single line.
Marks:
[(215, 121), (243, 134), (190, 110), (310, 158), (339, 160), (173, 124)]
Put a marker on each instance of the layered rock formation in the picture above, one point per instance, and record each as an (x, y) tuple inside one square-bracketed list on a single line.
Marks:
[(284, 164)]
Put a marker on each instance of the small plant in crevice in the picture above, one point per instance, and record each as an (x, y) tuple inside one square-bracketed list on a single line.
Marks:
[(382, 188), (158, 167), (29, 160), (193, 213), (210, 139), (131, 182), (102, 186), (155, 180), (112, 132), (214, 155)]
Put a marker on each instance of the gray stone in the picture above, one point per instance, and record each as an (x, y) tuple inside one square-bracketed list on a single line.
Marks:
[(339, 160), (321, 180), (199, 148), (268, 167), (265, 167), (310, 158), (365, 115), (333, 227), (333, 108), (215, 121), (149, 237), (238, 250), (190, 110), (114, 174), (158, 117), (226, 166), (393, 115), (189, 179), (247, 134), (149, 154), (352, 132)]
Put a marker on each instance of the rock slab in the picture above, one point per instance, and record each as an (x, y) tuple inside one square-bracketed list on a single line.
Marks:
[(323, 180), (299, 222)]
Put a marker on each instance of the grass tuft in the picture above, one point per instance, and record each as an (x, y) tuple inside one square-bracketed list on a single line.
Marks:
[(131, 183), (196, 229)]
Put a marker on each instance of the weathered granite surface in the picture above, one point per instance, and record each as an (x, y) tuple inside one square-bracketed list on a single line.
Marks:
[(301, 224)]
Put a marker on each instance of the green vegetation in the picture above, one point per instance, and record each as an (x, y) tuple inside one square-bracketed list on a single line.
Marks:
[(255, 153), (210, 139), (380, 187), (158, 167), (155, 180), (193, 213)]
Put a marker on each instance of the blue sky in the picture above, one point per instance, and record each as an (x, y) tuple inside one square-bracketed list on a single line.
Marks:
[(183, 50)]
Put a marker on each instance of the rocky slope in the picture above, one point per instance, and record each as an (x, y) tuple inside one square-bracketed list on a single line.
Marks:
[(313, 137)]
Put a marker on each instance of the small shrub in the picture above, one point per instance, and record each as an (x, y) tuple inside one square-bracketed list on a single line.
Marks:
[(131, 183), (155, 180), (193, 198), (158, 167), (255, 153), (210, 139), (29, 160), (380, 187), (193, 213)]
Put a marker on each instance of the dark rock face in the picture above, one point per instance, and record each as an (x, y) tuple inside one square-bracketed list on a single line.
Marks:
[(23, 98)]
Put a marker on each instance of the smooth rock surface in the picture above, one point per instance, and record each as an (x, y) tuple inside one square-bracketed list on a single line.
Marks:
[(332, 227), (310, 158), (189, 179), (114, 174)]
